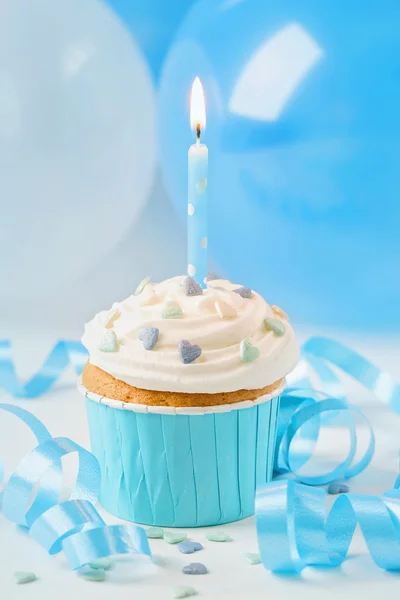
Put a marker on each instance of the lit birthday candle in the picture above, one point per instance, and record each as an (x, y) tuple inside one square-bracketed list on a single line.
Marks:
[(197, 189)]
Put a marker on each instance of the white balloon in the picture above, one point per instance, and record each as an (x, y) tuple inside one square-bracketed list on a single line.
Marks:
[(77, 141)]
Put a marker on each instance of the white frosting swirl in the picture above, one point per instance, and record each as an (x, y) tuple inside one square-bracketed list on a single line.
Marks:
[(219, 368)]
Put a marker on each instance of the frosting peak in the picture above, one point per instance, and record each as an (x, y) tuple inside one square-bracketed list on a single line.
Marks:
[(218, 320)]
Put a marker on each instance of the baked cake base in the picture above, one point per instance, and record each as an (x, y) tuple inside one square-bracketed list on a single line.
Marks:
[(98, 381)]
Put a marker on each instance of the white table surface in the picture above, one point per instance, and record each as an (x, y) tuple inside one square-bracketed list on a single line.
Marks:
[(230, 576)]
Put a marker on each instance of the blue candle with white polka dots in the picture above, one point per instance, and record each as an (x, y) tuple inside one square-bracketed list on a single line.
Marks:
[(197, 190)]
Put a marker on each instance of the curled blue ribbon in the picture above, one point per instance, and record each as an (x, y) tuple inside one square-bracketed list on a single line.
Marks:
[(293, 534), (291, 526), (64, 353), (73, 526)]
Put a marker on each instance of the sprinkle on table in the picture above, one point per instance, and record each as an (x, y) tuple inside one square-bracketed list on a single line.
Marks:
[(21, 577), (105, 564), (174, 537), (155, 533), (338, 487), (94, 575), (218, 536), (184, 592), (189, 547), (253, 558), (195, 569)]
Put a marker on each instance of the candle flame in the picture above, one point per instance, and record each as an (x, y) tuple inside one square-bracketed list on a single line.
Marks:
[(197, 106)]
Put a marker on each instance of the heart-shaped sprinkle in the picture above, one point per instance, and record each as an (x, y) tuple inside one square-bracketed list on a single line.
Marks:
[(188, 352), (189, 547), (275, 325), (171, 310), (155, 533), (195, 569), (212, 277), (338, 487), (191, 288), (218, 536), (109, 342), (21, 577), (225, 310), (253, 558), (142, 285), (248, 352), (245, 292), (279, 312), (184, 592), (105, 564), (98, 575), (174, 537), (149, 337)]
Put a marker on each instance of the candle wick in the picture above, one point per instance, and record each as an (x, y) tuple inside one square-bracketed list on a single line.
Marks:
[(198, 132)]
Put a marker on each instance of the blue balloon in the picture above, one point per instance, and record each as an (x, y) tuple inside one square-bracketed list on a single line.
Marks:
[(153, 24), (303, 131)]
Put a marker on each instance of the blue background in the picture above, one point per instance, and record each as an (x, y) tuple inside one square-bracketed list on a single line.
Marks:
[(94, 132)]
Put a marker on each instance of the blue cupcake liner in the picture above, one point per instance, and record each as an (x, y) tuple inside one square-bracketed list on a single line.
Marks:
[(182, 470)]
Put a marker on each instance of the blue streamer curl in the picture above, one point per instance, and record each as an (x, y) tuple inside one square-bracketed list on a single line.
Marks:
[(73, 526)]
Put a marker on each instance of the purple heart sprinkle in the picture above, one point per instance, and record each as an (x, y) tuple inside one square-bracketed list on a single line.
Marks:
[(195, 569), (245, 292), (191, 288), (188, 352)]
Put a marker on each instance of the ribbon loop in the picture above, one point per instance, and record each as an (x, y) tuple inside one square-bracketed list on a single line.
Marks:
[(31, 499)]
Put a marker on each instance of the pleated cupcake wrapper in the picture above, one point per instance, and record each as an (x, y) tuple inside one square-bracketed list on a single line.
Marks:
[(182, 467)]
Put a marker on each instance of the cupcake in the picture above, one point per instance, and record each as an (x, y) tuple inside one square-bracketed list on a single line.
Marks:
[(182, 388)]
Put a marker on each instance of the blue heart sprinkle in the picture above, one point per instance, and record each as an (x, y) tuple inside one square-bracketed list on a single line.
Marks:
[(149, 337), (188, 352), (195, 569), (245, 292), (338, 487), (189, 547), (191, 288)]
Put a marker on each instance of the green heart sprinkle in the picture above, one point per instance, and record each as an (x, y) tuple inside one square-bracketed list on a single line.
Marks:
[(95, 575), (171, 310), (248, 352), (155, 533), (184, 592), (275, 325), (109, 342), (24, 577), (142, 285), (104, 564), (201, 185), (172, 537), (218, 536), (253, 558)]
